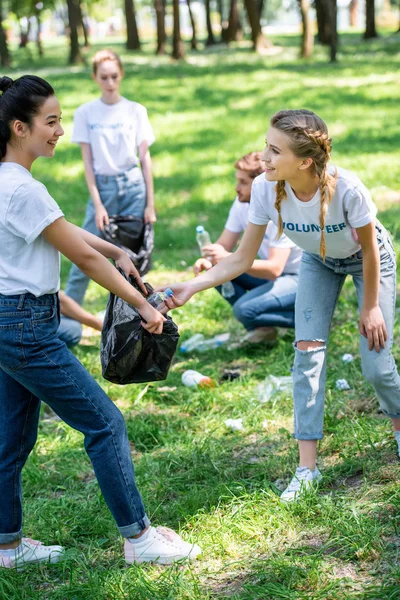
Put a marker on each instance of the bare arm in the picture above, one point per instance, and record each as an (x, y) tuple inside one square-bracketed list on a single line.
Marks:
[(66, 238), (372, 324), (73, 310), (101, 213), (221, 249), (145, 162), (271, 268)]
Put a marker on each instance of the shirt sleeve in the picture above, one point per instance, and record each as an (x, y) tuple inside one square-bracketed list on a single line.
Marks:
[(359, 207), (233, 222), (144, 131), (282, 242), (80, 128), (30, 211), (258, 213)]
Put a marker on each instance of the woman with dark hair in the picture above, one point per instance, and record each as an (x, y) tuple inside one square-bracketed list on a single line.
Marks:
[(34, 364)]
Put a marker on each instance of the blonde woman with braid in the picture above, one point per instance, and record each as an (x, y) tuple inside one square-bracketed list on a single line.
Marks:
[(328, 213)]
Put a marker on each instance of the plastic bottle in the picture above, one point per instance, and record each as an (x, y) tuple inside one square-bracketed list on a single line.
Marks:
[(202, 237), (157, 298), (192, 342), (228, 289), (192, 378)]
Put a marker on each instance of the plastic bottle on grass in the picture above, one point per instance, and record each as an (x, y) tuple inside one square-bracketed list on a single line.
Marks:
[(192, 343), (157, 298), (192, 378)]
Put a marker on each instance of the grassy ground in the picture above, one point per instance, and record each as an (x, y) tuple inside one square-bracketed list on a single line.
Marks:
[(217, 487)]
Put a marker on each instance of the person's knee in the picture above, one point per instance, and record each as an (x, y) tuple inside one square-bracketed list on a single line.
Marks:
[(374, 373), (70, 332), (309, 345)]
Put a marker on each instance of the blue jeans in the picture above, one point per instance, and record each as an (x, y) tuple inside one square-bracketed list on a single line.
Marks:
[(35, 365), (121, 195), (69, 331), (262, 303), (319, 288)]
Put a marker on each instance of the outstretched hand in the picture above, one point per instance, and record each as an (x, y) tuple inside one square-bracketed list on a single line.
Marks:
[(182, 292)]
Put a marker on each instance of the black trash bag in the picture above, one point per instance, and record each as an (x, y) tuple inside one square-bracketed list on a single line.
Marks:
[(134, 236), (129, 353)]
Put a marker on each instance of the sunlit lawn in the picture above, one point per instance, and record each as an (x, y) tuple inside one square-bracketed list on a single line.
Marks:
[(217, 487)]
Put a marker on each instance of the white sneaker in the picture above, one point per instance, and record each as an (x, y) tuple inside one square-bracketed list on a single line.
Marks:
[(261, 334), (162, 546), (31, 552), (302, 481)]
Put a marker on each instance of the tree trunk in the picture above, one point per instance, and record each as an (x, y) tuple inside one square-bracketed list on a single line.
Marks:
[(5, 59), (323, 34), (24, 35), (258, 38), (234, 31), (178, 49), (193, 43), (83, 27), (132, 34), (260, 7), (210, 36), (75, 56), (370, 27), (159, 7), (38, 34), (307, 37), (353, 13)]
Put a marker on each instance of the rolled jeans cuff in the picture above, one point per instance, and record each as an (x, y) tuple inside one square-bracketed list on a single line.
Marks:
[(308, 436), (134, 529), (8, 538)]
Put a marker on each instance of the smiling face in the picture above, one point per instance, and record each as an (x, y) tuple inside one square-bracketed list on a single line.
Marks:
[(243, 185), (280, 161), (40, 139), (108, 76)]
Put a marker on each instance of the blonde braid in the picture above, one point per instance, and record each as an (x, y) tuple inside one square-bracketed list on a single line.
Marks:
[(327, 182), (280, 195)]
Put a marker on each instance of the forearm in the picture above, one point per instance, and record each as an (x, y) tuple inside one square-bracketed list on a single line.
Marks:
[(227, 269), (73, 310), (265, 269), (91, 185), (105, 248), (371, 273), (148, 179)]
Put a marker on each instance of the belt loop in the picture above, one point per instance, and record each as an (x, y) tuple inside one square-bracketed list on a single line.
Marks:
[(21, 302)]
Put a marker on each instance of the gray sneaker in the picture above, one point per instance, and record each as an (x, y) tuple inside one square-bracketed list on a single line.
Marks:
[(303, 479)]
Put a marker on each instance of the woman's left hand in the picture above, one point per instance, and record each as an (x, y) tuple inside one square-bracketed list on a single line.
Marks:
[(372, 326), (150, 215), (127, 266)]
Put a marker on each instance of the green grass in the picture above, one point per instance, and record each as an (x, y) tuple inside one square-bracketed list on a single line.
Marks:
[(217, 487)]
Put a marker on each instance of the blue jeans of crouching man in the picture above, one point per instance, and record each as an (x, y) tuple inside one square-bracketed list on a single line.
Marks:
[(34, 366), (320, 284)]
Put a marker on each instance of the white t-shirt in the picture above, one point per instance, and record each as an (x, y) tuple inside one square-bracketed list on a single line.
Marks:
[(351, 207), (28, 263), (237, 222), (114, 132)]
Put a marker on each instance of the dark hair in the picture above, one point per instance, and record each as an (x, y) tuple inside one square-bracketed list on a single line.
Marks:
[(21, 100), (251, 163)]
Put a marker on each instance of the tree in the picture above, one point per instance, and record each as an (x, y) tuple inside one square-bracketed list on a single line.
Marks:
[(159, 7), (75, 56), (132, 34), (353, 10), (257, 36), (370, 27), (327, 25), (210, 36), (178, 49), (234, 30), (193, 43), (307, 38), (5, 59)]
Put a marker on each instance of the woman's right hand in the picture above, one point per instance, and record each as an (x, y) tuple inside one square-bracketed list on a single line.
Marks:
[(182, 292), (101, 217), (154, 319), (201, 264)]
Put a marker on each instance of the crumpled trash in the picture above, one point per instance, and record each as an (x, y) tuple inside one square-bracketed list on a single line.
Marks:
[(230, 374), (234, 424), (129, 353), (347, 358), (272, 385), (342, 384)]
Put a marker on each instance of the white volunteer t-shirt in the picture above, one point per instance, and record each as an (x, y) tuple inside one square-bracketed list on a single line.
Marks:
[(237, 222), (28, 263), (114, 132), (351, 207)]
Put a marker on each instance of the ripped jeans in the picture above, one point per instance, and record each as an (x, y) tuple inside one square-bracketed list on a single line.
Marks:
[(319, 287)]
